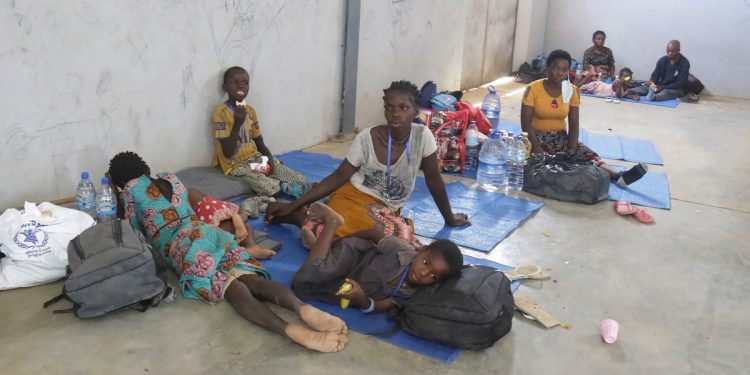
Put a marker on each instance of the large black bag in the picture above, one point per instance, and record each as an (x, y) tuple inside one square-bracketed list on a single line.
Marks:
[(110, 268), (471, 311), (561, 177)]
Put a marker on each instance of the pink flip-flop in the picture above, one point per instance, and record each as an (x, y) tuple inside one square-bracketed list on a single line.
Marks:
[(643, 216), (625, 208)]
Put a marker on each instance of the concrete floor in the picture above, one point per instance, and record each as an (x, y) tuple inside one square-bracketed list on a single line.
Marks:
[(680, 288)]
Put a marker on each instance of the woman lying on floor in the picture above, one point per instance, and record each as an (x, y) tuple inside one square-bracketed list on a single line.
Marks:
[(376, 178), (211, 265), (546, 103)]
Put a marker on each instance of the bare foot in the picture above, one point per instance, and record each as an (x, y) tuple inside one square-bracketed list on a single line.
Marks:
[(633, 97), (260, 252), (307, 237), (325, 342), (325, 213), (321, 320)]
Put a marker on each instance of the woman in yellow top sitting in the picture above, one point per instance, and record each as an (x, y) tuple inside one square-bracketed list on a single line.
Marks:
[(546, 104)]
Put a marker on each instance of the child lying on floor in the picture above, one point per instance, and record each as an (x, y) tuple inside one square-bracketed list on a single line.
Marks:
[(382, 276), (618, 88), (225, 215)]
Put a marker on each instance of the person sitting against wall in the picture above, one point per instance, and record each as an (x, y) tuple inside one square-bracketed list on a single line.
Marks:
[(546, 103), (598, 57), (669, 77), (376, 178)]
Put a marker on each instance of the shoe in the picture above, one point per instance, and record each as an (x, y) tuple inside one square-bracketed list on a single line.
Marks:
[(616, 101), (528, 271), (632, 175), (643, 216), (625, 208)]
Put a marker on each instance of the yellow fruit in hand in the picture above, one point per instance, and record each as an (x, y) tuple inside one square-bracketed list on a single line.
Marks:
[(345, 287)]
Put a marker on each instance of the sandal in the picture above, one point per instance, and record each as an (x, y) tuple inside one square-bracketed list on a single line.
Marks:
[(643, 216), (527, 271), (625, 208)]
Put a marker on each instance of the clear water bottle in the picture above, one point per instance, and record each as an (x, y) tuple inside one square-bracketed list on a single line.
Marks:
[(106, 206), (518, 158), (491, 172), (527, 142), (509, 142), (491, 107), (472, 147), (85, 195)]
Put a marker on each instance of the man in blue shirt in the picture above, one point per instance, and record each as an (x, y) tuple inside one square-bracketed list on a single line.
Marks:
[(669, 77)]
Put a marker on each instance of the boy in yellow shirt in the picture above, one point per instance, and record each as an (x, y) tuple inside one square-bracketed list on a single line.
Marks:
[(238, 142)]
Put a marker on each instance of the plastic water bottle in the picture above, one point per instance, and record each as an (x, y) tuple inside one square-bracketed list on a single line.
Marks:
[(472, 147), (85, 195), (491, 107), (527, 142), (106, 207), (518, 158), (491, 172), (509, 142)]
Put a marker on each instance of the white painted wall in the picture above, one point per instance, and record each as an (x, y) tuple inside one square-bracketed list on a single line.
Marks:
[(713, 35), (488, 41), (416, 40), (531, 24), (82, 80)]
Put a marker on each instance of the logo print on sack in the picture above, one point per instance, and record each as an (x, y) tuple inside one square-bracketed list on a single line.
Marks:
[(33, 238)]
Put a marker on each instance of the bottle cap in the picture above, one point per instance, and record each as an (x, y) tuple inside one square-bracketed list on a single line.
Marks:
[(105, 181), (84, 175)]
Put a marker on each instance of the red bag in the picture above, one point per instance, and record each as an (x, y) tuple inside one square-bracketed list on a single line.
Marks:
[(449, 129), (476, 115)]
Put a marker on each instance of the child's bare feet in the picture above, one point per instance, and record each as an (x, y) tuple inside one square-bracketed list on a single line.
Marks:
[(325, 342), (325, 213), (307, 237), (633, 97), (321, 320), (260, 252)]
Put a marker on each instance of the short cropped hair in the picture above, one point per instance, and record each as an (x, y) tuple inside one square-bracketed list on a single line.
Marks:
[(558, 54), (231, 71), (599, 32), (451, 253), (405, 87)]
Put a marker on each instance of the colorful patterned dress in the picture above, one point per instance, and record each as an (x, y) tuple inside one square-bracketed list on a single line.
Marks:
[(205, 257)]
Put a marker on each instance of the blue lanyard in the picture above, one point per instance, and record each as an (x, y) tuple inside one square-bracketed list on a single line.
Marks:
[(243, 135), (400, 282), (388, 162)]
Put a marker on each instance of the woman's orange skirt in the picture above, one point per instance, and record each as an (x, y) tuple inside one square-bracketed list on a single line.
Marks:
[(362, 212)]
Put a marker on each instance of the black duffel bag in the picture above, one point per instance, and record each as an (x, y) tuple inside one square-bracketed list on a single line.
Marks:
[(564, 178)]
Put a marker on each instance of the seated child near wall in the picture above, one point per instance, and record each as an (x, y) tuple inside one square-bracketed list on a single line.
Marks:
[(238, 142), (382, 276), (618, 88), (225, 215)]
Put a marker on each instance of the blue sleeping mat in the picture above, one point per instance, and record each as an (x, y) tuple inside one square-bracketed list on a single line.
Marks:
[(290, 257), (493, 215), (652, 190), (621, 148), (672, 103)]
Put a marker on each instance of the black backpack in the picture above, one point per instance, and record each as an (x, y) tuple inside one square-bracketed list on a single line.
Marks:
[(470, 311), (110, 268)]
